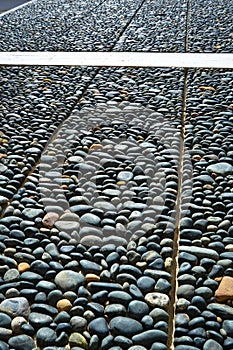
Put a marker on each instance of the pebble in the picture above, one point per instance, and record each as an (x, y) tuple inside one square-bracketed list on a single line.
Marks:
[(22, 341), (78, 340), (99, 327), (15, 307), (125, 326), (157, 300), (69, 280), (224, 291), (222, 168), (45, 336), (149, 337)]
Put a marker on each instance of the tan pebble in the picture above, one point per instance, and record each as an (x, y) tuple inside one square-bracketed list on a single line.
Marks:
[(204, 88), (121, 183), (91, 277), (219, 320), (197, 157), (64, 305), (168, 264), (96, 146), (22, 267), (225, 289), (16, 324), (50, 219), (229, 248), (141, 264)]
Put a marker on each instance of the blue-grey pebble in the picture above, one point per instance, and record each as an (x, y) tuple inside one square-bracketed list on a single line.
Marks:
[(22, 341)]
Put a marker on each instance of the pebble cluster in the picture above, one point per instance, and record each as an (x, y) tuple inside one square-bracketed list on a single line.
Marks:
[(210, 27), (204, 295), (99, 290), (98, 191), (104, 25)]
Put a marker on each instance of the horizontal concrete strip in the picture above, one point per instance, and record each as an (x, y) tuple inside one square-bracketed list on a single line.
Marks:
[(117, 59)]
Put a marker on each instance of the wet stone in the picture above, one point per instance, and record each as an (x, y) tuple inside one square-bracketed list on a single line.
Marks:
[(45, 337), (39, 320), (20, 342), (222, 168), (211, 344), (138, 309), (149, 337), (125, 326), (78, 340), (221, 310), (99, 327), (15, 307), (69, 280)]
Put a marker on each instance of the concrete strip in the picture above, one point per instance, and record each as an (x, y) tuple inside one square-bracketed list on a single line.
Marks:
[(117, 59)]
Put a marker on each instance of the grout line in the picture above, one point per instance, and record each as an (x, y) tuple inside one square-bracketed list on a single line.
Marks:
[(128, 23), (175, 266), (175, 256)]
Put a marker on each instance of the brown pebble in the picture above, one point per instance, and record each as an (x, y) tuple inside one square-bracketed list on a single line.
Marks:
[(96, 146), (225, 289), (50, 219), (22, 267), (91, 277), (64, 305)]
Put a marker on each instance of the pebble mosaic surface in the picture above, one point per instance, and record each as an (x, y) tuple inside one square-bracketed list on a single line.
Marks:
[(116, 184)]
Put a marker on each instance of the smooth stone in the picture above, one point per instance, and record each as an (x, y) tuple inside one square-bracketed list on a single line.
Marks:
[(45, 337), (221, 310), (125, 326), (146, 284), (186, 291), (122, 341), (211, 344), (5, 320), (125, 176), (91, 219), (31, 214), (78, 324), (78, 340), (113, 310), (22, 341), (95, 287), (159, 315), (90, 267), (149, 337), (69, 280), (137, 309), (37, 319), (220, 168), (157, 299), (3, 345), (119, 297), (158, 346), (107, 342), (67, 226), (15, 307), (227, 325), (191, 234), (200, 252), (99, 327)]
